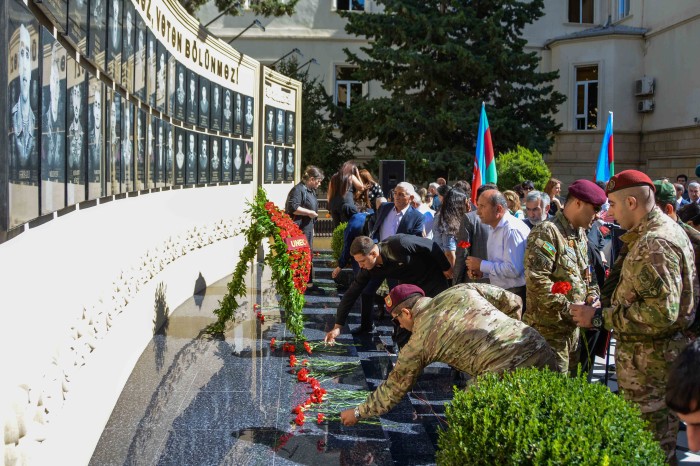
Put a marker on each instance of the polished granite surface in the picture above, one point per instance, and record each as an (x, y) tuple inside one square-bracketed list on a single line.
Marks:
[(196, 400)]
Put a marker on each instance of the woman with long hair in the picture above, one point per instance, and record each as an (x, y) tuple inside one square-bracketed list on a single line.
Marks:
[(553, 189), (513, 202), (372, 188), (447, 220), (341, 198)]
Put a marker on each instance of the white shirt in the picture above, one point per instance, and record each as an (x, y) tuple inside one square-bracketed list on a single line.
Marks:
[(506, 251), (391, 223)]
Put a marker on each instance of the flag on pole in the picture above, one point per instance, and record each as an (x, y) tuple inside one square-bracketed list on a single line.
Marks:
[(484, 160), (606, 158)]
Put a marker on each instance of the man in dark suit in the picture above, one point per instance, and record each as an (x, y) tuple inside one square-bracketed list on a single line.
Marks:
[(403, 258), (398, 216)]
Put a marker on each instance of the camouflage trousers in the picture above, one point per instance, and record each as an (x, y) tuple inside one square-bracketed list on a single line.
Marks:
[(642, 370), (565, 347)]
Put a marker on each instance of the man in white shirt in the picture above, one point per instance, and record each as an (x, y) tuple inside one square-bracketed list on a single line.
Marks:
[(506, 247)]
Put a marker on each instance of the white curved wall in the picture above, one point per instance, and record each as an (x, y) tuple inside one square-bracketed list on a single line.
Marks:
[(78, 307)]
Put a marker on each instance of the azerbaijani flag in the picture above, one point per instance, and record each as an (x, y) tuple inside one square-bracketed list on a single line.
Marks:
[(606, 158), (484, 160)]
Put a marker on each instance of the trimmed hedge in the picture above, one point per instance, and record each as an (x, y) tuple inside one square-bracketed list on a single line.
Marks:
[(337, 240), (533, 417)]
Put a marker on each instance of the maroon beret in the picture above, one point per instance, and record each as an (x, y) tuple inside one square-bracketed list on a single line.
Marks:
[(627, 179), (400, 294), (588, 191)]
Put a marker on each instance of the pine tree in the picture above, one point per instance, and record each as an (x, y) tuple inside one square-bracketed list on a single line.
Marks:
[(320, 145), (439, 60)]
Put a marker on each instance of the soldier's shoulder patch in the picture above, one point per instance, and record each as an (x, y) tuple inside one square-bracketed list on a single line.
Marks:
[(651, 284), (549, 248), (387, 301)]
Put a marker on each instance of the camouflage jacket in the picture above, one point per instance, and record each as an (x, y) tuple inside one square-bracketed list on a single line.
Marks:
[(556, 252), (463, 328), (655, 297)]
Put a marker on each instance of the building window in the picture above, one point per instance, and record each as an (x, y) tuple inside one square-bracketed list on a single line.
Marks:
[(622, 9), (581, 11), (586, 97), (346, 88), (350, 5)]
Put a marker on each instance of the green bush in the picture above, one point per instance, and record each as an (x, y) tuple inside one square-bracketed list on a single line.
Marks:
[(521, 164), (533, 417), (337, 240)]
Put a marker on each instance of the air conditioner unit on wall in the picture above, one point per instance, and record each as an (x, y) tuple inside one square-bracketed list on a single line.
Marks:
[(644, 86), (645, 106)]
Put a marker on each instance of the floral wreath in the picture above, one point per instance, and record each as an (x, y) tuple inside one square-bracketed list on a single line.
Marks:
[(290, 268)]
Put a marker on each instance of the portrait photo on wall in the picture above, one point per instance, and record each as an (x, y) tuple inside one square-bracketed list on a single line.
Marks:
[(227, 112), (279, 164), (57, 12), (248, 117), (139, 86), (96, 139), (78, 24), (269, 124), (215, 109), (203, 165), (113, 170), (76, 129), (226, 160), (152, 69), (180, 92), (180, 156), (53, 126), (289, 165), (161, 77), (114, 39), (23, 108), (129, 33), (169, 152), (159, 170), (290, 128), (204, 103), (151, 149), (127, 146), (247, 162), (97, 40), (238, 111), (215, 160), (141, 142), (191, 164), (192, 97), (238, 155), (279, 126), (172, 78), (269, 169)]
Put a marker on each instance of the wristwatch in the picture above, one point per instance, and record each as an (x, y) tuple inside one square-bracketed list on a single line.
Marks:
[(357, 412), (597, 320)]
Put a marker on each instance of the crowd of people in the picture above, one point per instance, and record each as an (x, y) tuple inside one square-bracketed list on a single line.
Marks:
[(512, 280)]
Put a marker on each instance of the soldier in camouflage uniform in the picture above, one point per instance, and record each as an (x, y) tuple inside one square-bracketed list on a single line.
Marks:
[(465, 326), (653, 303), (557, 252)]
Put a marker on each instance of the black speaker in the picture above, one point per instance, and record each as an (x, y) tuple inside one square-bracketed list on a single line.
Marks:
[(391, 173)]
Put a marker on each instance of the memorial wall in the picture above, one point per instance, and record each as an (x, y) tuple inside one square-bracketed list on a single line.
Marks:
[(110, 97)]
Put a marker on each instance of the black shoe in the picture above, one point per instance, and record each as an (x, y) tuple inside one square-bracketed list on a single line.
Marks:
[(364, 329), (315, 291)]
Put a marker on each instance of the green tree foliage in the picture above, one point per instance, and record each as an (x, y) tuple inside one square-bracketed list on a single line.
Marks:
[(264, 8), (533, 417), (440, 59), (320, 145), (521, 164)]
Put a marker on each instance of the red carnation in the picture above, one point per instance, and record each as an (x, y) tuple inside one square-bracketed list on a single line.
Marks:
[(307, 347), (464, 244), (320, 417), (298, 409), (272, 343), (561, 288), (299, 420), (303, 375), (292, 360)]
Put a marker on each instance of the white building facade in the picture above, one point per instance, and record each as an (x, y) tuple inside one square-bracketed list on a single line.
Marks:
[(632, 57)]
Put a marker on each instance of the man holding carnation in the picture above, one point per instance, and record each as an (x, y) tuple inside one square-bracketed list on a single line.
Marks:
[(557, 271), (473, 327)]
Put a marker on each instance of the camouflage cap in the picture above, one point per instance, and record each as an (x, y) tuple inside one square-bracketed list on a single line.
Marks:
[(665, 192), (399, 294)]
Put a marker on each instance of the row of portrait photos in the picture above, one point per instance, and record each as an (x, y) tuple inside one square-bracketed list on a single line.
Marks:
[(115, 38), (72, 138)]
